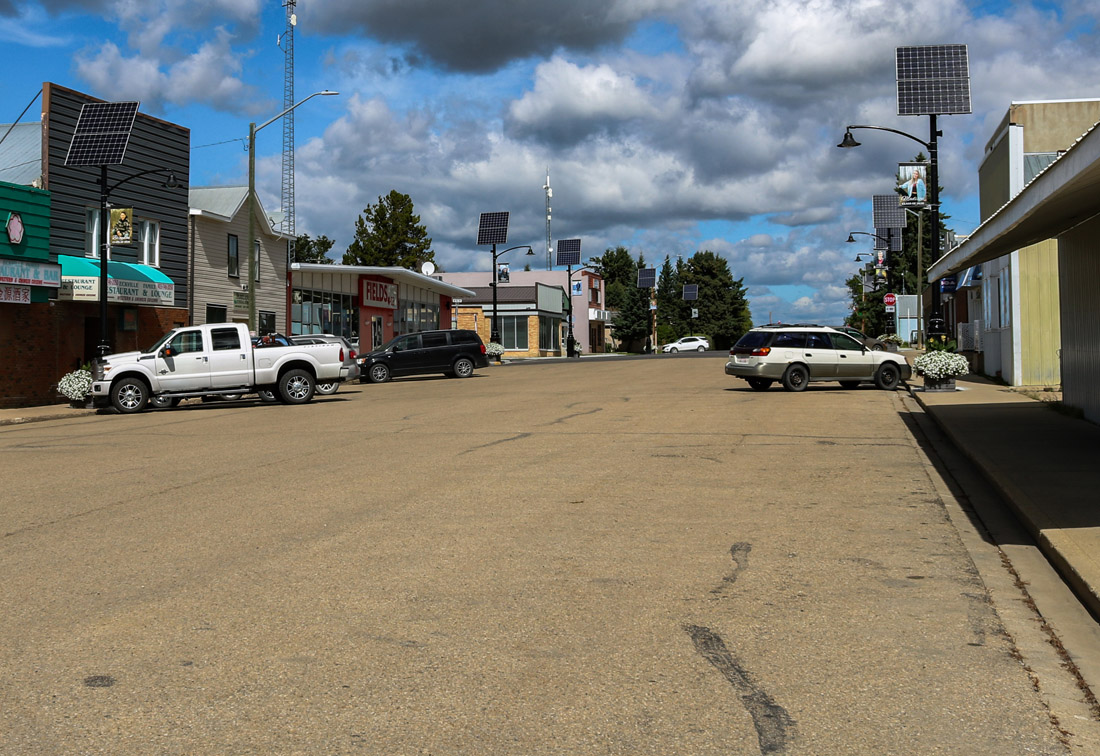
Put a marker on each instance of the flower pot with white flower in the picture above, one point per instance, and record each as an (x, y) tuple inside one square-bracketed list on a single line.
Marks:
[(495, 351), (75, 387), (940, 369)]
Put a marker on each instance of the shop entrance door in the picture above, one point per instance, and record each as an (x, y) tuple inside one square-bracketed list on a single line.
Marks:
[(375, 331)]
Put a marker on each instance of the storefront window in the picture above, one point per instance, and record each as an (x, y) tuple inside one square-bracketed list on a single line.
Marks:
[(549, 334), (513, 332), (324, 312)]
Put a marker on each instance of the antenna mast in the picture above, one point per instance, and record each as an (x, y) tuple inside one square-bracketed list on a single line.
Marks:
[(286, 42), (549, 194)]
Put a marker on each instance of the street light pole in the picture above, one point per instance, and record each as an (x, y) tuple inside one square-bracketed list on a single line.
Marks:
[(494, 333), (252, 129), (570, 342)]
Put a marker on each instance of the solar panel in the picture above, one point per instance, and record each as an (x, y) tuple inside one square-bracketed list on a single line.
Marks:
[(647, 278), (691, 292), (888, 239), (102, 133), (933, 80), (493, 228), (886, 211), (569, 252)]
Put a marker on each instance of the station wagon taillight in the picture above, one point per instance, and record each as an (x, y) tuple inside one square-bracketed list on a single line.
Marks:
[(761, 351)]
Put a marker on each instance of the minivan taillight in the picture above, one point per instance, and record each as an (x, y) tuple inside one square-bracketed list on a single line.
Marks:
[(761, 351), (483, 349)]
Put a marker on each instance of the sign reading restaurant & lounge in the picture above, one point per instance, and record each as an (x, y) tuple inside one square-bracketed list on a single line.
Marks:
[(125, 291)]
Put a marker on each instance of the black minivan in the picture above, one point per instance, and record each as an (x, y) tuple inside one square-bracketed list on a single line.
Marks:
[(453, 353)]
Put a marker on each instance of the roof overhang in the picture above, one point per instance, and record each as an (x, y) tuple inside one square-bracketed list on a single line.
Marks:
[(401, 275), (1059, 199)]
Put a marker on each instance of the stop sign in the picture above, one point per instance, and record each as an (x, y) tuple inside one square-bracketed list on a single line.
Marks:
[(889, 300)]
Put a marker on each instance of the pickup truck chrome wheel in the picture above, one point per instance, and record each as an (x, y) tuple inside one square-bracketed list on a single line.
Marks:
[(296, 387), (164, 402), (129, 395)]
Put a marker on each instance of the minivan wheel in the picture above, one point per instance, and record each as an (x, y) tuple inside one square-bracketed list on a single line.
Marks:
[(887, 377), (796, 378), (379, 373), (463, 368)]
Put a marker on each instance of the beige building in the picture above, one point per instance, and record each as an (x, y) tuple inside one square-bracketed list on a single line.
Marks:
[(1017, 313), (218, 248)]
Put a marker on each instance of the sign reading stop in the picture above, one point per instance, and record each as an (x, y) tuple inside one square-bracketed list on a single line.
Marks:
[(889, 300)]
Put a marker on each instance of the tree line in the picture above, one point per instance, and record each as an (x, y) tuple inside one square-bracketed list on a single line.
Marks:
[(722, 306)]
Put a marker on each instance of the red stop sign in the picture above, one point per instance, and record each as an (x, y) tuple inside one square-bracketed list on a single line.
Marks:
[(889, 299)]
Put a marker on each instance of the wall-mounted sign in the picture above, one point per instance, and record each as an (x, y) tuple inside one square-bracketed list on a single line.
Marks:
[(17, 294), (122, 290), (15, 228), (378, 294), (29, 273), (913, 184)]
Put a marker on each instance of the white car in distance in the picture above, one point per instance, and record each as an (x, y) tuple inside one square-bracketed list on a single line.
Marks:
[(687, 344)]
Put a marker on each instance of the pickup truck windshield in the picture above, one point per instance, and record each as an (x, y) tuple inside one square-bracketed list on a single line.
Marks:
[(163, 340)]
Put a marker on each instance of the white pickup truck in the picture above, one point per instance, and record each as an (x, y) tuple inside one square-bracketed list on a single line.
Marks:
[(216, 359)]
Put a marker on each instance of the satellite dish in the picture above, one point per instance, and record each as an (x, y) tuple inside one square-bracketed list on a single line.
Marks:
[(293, 19), (427, 268)]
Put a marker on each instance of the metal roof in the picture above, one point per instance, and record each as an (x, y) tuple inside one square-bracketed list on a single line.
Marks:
[(403, 275), (1063, 196), (222, 203), (21, 153)]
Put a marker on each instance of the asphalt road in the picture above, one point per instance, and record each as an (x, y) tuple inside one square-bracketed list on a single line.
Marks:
[(584, 557)]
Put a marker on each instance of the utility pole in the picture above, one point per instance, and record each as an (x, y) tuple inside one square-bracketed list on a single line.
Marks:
[(286, 42)]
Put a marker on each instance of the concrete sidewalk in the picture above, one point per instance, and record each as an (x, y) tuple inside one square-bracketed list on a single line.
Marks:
[(1045, 463)]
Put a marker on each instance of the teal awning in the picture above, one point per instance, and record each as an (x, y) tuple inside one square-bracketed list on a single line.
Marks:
[(88, 267), (127, 283)]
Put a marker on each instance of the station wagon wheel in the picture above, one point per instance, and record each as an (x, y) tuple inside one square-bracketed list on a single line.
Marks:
[(296, 387), (796, 378), (887, 377), (129, 395), (379, 373), (463, 368)]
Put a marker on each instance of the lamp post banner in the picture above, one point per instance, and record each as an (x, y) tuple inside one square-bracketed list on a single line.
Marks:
[(913, 185)]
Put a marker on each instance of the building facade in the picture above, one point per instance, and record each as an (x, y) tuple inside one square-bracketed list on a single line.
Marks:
[(220, 276), (147, 277), (1019, 324), (530, 319)]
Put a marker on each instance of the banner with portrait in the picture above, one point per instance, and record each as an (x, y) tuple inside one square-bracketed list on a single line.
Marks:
[(122, 227), (913, 185)]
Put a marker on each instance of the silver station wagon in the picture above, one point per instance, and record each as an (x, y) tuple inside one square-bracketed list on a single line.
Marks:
[(795, 355)]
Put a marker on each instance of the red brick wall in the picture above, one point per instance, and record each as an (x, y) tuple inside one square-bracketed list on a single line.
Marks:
[(40, 343)]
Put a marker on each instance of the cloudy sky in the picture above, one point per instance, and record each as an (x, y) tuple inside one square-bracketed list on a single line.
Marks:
[(668, 126)]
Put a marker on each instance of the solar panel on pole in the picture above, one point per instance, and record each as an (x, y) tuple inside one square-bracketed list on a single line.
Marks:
[(933, 80), (691, 292), (569, 252), (102, 133), (886, 211), (493, 228), (647, 278)]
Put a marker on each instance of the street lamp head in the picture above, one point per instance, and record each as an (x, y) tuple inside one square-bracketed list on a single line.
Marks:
[(849, 140), (530, 252), (327, 92), (171, 182), (851, 239)]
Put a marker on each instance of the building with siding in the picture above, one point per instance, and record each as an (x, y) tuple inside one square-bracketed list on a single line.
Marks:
[(1017, 314), (531, 318), (1062, 203), (588, 298), (147, 279), (220, 279)]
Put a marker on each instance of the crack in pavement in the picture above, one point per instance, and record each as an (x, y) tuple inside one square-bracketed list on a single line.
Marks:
[(774, 726)]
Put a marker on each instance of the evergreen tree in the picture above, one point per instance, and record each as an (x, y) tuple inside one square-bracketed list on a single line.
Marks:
[(307, 250), (671, 315), (390, 234), (619, 272), (631, 324), (723, 305)]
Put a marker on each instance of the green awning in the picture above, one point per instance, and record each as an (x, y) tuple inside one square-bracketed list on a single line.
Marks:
[(127, 283)]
